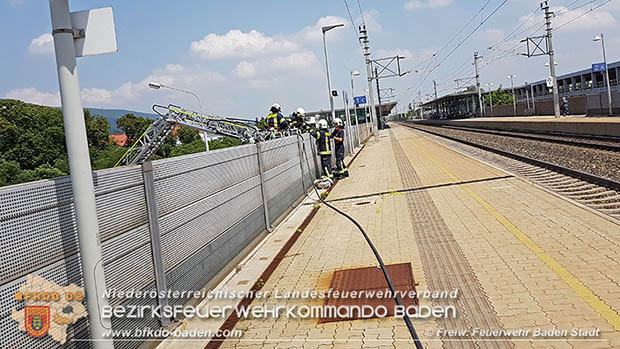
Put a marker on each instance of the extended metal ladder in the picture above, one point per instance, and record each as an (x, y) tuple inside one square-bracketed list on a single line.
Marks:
[(152, 139)]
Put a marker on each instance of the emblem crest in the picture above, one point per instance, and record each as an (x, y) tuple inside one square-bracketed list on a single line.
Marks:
[(37, 319)]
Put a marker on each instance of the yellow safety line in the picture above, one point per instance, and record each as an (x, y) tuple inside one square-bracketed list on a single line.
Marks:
[(573, 282), (132, 146)]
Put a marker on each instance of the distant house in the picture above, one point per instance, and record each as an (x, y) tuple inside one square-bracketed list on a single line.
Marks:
[(119, 138)]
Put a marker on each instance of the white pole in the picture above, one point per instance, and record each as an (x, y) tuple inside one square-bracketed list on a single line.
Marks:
[(81, 173), (347, 113), (556, 96), (329, 83), (359, 141), (607, 76), (514, 98)]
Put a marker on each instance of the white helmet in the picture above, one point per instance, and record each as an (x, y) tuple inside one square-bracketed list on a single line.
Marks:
[(338, 121), (301, 111), (312, 120), (323, 124), (276, 106)]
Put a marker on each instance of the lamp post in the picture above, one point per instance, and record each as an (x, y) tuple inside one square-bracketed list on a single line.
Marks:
[(86, 222), (329, 84), (157, 85), (514, 98), (352, 74), (490, 96), (602, 40)]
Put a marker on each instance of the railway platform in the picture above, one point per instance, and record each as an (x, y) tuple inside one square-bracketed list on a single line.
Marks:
[(531, 269), (576, 125)]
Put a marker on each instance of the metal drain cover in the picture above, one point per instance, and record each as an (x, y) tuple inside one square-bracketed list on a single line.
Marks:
[(367, 283)]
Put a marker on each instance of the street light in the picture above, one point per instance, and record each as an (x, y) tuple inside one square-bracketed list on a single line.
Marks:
[(514, 98), (157, 85), (352, 74), (329, 84), (602, 40)]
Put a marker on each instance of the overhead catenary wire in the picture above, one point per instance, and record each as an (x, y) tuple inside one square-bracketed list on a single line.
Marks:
[(512, 50), (583, 14), (359, 4), (353, 26), (424, 77)]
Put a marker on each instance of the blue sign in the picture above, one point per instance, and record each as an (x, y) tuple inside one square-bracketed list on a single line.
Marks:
[(599, 67), (360, 100)]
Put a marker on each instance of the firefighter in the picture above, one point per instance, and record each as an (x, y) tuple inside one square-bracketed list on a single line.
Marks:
[(275, 120), (341, 169), (298, 122), (324, 148)]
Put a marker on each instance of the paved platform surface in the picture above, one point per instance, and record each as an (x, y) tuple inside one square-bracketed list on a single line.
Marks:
[(521, 257)]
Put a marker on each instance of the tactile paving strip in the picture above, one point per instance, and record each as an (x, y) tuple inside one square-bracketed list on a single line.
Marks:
[(366, 281), (445, 265)]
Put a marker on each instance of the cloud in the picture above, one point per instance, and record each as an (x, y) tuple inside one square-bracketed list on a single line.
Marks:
[(371, 18), (129, 93), (32, 95), (313, 33), (245, 70), (395, 52), (589, 20), (43, 44), (414, 5), (237, 44), (492, 35), (302, 63), (16, 2)]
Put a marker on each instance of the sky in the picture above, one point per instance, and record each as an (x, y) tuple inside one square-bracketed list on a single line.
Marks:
[(240, 57)]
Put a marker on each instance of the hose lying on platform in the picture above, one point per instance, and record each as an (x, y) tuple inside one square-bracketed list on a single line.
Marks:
[(412, 331)]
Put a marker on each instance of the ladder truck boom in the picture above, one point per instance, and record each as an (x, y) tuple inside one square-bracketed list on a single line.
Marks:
[(173, 115)]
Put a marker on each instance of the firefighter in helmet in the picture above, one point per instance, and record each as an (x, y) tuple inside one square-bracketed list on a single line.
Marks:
[(338, 134), (275, 120), (324, 147)]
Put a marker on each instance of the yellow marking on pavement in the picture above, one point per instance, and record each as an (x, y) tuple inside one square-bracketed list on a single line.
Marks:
[(573, 282)]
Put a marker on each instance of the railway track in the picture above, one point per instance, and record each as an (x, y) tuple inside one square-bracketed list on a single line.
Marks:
[(592, 142), (599, 193)]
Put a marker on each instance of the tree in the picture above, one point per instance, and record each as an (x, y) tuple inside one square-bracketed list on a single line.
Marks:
[(133, 126), (188, 135), (9, 170), (471, 89), (499, 97), (97, 128)]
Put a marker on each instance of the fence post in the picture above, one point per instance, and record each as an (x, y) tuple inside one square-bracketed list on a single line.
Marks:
[(302, 156), (158, 263), (315, 157), (261, 174)]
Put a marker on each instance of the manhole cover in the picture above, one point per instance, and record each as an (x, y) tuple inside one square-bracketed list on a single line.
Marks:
[(367, 286)]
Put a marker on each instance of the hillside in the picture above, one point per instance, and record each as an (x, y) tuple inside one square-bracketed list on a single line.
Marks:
[(113, 114)]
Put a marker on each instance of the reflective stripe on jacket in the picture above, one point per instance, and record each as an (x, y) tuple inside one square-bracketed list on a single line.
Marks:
[(322, 142)]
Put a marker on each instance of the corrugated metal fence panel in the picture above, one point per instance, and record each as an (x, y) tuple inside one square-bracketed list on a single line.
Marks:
[(209, 206)]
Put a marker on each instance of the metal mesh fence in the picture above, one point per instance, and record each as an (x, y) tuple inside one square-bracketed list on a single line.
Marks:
[(210, 206)]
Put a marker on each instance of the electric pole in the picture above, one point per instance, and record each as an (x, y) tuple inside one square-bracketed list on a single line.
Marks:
[(476, 58), (364, 40), (556, 97), (436, 103), (379, 100)]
